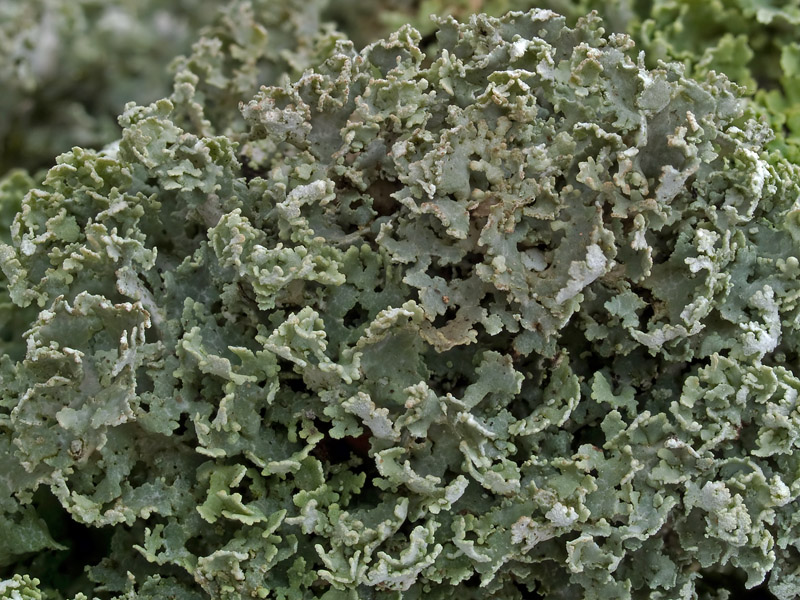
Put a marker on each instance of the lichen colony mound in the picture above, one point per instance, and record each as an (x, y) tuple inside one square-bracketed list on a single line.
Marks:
[(515, 318)]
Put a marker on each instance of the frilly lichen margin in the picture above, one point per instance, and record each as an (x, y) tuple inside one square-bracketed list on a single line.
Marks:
[(522, 314)]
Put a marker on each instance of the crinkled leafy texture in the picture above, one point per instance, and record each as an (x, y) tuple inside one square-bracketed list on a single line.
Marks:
[(753, 42), (519, 316), (67, 68), (13, 188)]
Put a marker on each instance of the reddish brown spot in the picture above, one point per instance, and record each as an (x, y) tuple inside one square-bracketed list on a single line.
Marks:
[(359, 445)]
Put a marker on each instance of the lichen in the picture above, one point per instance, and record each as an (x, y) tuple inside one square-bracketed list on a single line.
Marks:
[(515, 316)]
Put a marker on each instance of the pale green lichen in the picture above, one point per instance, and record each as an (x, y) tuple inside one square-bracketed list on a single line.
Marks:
[(67, 67), (516, 317), (753, 42)]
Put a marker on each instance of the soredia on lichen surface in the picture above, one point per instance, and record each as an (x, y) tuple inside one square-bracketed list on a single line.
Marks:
[(517, 318)]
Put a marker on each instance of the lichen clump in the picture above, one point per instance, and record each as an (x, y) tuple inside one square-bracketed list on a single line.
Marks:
[(515, 318)]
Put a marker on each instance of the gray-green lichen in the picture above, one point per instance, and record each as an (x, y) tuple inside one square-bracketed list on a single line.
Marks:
[(753, 42), (67, 67), (519, 317)]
